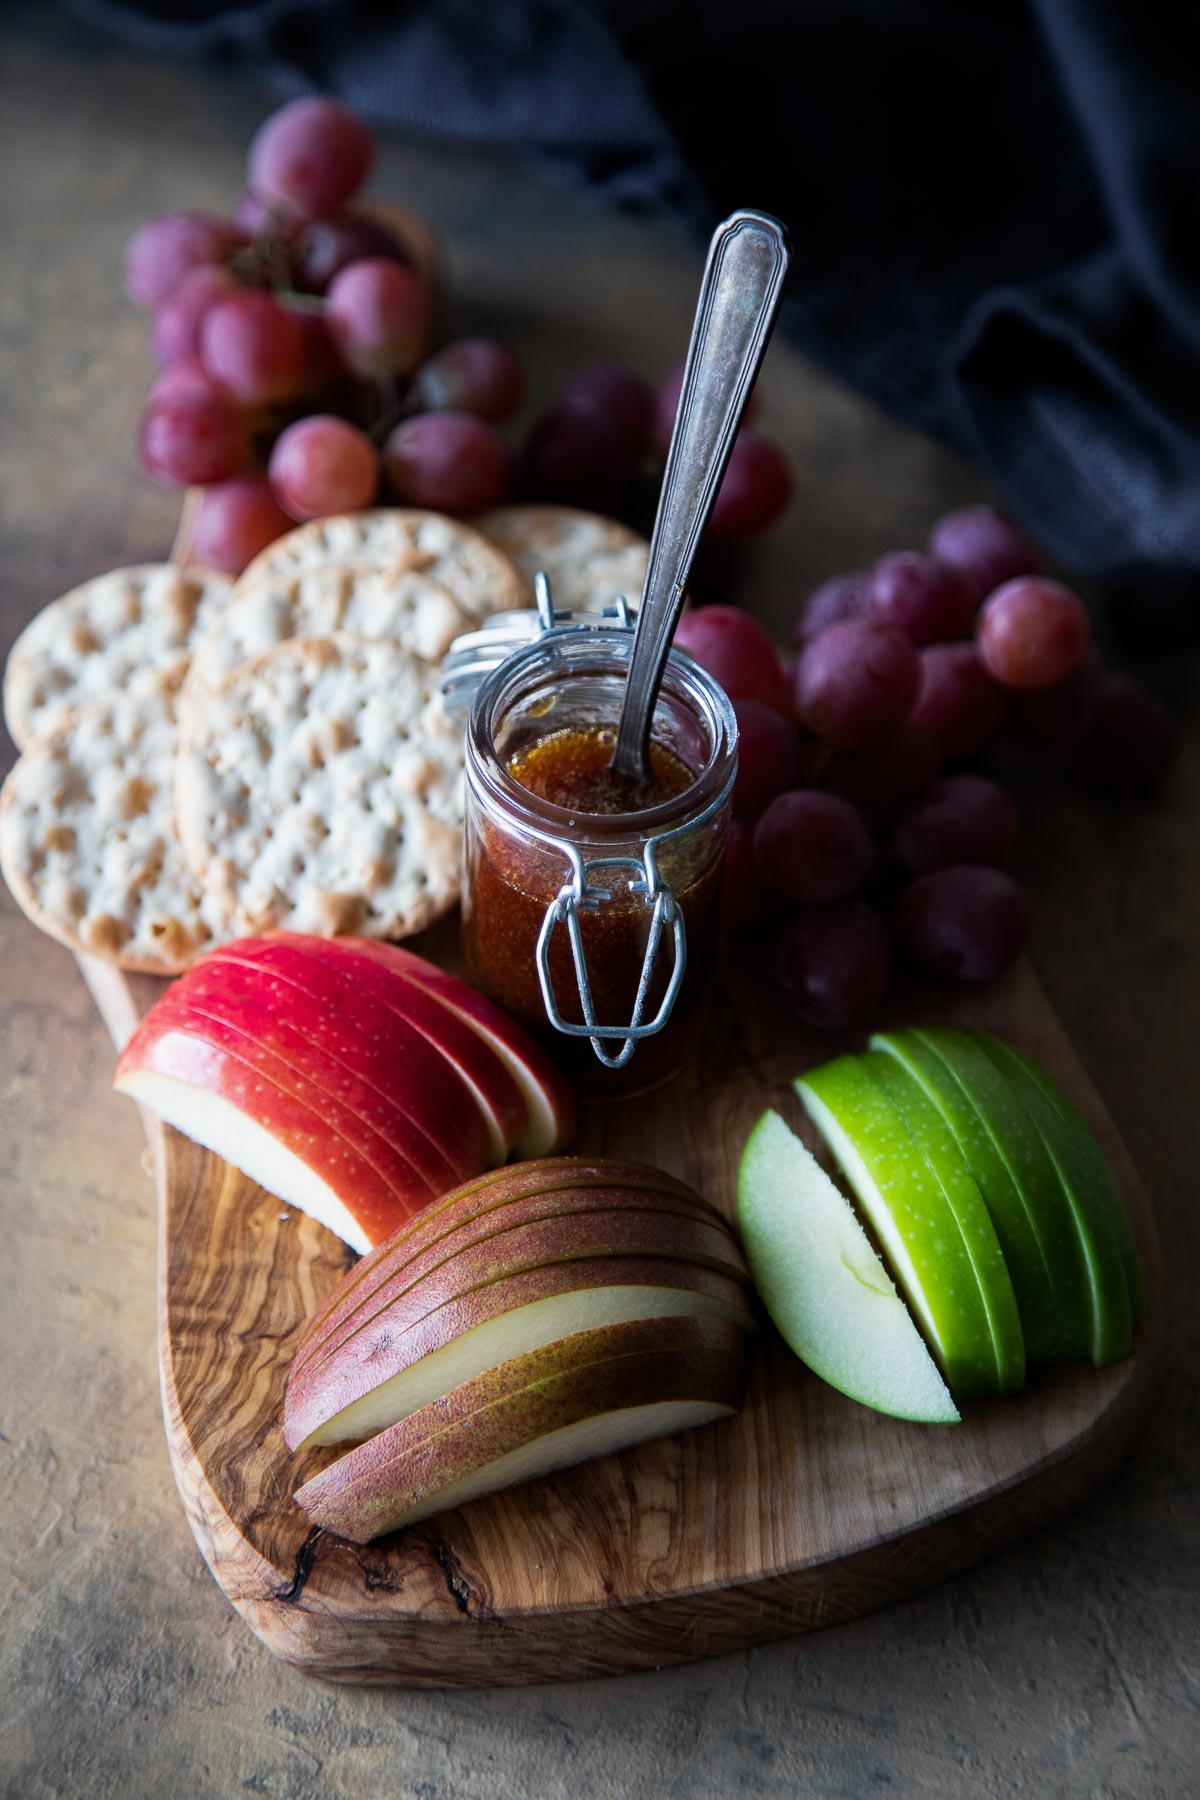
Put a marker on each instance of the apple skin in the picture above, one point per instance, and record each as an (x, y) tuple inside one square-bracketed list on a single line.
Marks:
[(378, 1202), (391, 1078), (358, 988), (961, 1190), (1020, 1187), (824, 1286), (425, 1322), (542, 1229), (551, 1100), (400, 1473), (911, 1217), (475, 1199), (1112, 1321), (1086, 1152)]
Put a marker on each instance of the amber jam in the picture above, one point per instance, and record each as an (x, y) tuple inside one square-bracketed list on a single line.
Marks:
[(539, 787)]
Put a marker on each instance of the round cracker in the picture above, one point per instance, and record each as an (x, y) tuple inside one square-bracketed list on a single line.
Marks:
[(87, 835), (321, 789), (395, 541), (113, 634), (589, 559), (409, 606)]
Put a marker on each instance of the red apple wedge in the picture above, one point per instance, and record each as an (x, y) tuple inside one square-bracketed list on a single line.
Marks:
[(552, 1106), (383, 1006), (436, 1339), (468, 1212), (581, 1396), (515, 1231), (280, 1135), (390, 1079)]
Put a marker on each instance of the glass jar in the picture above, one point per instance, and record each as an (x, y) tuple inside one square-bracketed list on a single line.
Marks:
[(596, 929)]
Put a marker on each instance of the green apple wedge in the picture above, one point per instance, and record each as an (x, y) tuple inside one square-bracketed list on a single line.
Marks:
[(1090, 1157), (911, 1217), (1112, 1310), (1019, 1185), (952, 1173), (824, 1285)]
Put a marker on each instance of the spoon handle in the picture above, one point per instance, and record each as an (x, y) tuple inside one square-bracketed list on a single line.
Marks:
[(743, 278)]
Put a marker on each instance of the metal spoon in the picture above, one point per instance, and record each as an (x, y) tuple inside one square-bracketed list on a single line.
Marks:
[(739, 296)]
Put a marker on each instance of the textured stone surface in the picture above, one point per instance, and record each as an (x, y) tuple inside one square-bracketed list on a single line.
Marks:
[(1068, 1666)]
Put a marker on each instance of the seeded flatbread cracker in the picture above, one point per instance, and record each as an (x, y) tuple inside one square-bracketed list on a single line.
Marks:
[(320, 789), (589, 559), (87, 835), (415, 610), (395, 541), (113, 634)]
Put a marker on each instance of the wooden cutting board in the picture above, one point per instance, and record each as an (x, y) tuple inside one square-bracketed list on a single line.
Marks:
[(804, 1509)]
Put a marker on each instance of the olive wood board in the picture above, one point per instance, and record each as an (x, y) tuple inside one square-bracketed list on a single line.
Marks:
[(804, 1509)]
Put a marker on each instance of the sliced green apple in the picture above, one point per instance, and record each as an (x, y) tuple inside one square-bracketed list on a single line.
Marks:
[(824, 1286), (910, 1216), (1013, 1214), (1112, 1313), (952, 1172), (1090, 1157), (582, 1396)]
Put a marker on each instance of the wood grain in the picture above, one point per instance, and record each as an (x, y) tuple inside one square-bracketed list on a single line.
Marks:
[(803, 1510)]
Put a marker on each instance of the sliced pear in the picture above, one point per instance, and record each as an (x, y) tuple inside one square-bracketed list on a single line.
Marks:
[(824, 1286)]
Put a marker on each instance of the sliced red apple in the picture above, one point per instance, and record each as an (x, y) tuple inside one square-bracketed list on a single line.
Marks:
[(551, 1104), (469, 1214), (391, 1079), (581, 1396), (357, 989), (522, 1231), (384, 1374)]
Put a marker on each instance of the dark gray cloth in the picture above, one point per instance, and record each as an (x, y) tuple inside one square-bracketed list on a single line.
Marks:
[(993, 204)]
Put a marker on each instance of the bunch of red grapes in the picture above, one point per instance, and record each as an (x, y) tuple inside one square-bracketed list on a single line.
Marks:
[(298, 377), (859, 821)]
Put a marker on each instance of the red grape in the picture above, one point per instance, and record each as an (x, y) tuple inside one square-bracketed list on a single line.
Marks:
[(176, 328), (928, 599), (880, 780), (958, 701), (1131, 739), (1032, 632), (187, 375), (1049, 721), (474, 375), (451, 462), (855, 682), (378, 316), (737, 652), (312, 153), (324, 247), (812, 846), (745, 897), (623, 397), (843, 597), (319, 361), (666, 405), (234, 521), (254, 346), (159, 255), (577, 458), (192, 438), (988, 547), (966, 819), (768, 757), (259, 215), (322, 465), (967, 921), (755, 488), (835, 963)]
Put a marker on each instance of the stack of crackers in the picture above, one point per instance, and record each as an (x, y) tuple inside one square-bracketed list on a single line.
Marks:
[(203, 759)]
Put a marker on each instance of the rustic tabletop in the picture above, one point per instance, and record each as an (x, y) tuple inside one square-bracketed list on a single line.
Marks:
[(1066, 1666)]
